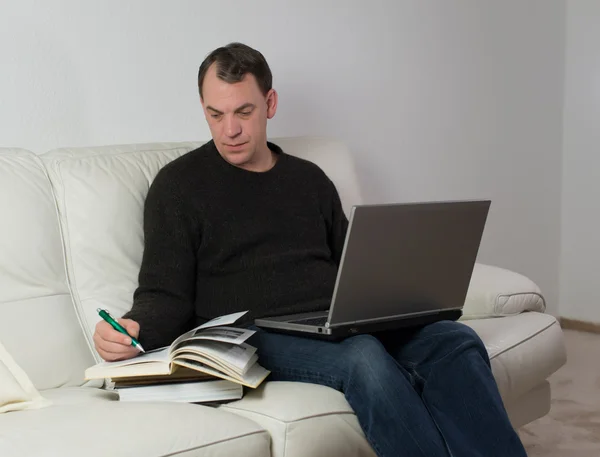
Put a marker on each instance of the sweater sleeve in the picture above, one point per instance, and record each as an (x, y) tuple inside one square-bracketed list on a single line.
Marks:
[(337, 223), (163, 303)]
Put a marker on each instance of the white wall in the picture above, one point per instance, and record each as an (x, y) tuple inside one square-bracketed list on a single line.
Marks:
[(437, 99), (580, 256)]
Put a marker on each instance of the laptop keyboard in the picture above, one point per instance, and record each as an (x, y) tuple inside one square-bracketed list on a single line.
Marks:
[(316, 321)]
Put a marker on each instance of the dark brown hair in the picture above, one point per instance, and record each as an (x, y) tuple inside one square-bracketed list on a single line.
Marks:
[(234, 61)]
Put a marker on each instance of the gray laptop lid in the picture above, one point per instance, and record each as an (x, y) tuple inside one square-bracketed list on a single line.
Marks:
[(409, 258)]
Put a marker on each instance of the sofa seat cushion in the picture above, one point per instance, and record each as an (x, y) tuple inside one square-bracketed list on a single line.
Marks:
[(304, 420), (524, 350), (85, 421)]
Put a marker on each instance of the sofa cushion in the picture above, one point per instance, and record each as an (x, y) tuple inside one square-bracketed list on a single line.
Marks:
[(304, 420), (89, 422), (38, 324), (334, 158), (496, 292), (16, 389)]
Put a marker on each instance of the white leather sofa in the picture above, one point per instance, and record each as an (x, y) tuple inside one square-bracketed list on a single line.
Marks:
[(71, 240)]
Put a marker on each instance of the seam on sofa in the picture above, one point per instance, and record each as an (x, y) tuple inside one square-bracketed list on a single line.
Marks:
[(63, 230), (37, 296), (520, 342), (293, 420), (285, 445), (287, 424), (143, 151), (224, 440)]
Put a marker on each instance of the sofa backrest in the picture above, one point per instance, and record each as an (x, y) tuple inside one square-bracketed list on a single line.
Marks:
[(100, 195), (38, 324)]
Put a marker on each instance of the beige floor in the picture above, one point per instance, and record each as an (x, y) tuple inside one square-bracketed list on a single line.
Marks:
[(572, 428)]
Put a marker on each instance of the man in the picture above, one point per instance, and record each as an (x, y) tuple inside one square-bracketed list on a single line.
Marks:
[(238, 224)]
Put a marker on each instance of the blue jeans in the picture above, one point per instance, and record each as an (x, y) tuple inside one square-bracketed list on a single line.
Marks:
[(422, 392)]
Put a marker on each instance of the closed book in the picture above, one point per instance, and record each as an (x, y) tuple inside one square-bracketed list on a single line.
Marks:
[(209, 390)]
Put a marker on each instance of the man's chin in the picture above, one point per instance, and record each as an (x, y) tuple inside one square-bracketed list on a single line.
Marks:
[(238, 158)]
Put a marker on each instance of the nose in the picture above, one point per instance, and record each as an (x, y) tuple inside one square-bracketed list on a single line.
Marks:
[(233, 127)]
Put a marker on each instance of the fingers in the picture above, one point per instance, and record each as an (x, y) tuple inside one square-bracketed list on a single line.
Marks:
[(113, 345), (132, 327), (111, 351), (110, 347), (107, 333), (113, 357)]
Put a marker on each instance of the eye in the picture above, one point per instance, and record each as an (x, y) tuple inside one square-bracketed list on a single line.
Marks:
[(215, 116), (245, 113)]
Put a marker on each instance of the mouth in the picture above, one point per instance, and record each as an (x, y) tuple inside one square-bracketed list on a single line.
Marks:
[(236, 146)]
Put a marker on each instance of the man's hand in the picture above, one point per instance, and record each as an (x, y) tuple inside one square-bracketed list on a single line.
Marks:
[(113, 345)]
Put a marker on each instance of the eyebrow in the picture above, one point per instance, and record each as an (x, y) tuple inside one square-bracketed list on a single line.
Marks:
[(241, 108)]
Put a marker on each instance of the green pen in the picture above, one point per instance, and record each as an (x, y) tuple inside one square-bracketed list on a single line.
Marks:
[(119, 328)]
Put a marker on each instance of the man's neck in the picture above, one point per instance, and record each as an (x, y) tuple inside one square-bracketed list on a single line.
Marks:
[(265, 159)]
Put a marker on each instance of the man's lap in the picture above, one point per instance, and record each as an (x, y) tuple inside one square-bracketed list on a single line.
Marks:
[(294, 358)]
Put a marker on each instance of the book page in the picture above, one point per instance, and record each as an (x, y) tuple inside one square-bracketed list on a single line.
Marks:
[(252, 378), (222, 320), (235, 357), (156, 355), (179, 374), (151, 362), (207, 361)]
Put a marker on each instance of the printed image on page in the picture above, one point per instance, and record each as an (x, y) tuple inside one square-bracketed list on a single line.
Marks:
[(230, 335), (221, 320)]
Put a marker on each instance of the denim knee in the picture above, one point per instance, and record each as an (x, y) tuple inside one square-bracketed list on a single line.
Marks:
[(363, 352), (452, 335), (468, 337), (467, 334)]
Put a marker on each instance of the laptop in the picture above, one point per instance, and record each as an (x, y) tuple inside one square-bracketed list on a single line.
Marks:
[(402, 265)]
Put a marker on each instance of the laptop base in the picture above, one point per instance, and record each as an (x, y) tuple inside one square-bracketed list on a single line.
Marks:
[(346, 331)]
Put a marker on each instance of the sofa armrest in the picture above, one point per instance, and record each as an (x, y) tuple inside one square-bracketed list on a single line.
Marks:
[(496, 292)]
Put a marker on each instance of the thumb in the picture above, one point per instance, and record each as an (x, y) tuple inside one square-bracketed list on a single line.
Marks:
[(132, 327)]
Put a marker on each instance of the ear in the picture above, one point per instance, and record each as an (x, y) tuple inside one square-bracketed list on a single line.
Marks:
[(203, 109), (272, 99)]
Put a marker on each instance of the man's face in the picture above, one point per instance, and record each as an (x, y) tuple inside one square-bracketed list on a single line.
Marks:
[(237, 117)]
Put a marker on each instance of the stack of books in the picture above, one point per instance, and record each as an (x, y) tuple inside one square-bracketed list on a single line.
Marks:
[(211, 363)]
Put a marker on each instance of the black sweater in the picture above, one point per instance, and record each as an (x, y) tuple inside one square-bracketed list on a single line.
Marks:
[(220, 239)]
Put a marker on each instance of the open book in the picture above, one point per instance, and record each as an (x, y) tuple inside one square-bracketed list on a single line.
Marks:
[(212, 348)]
